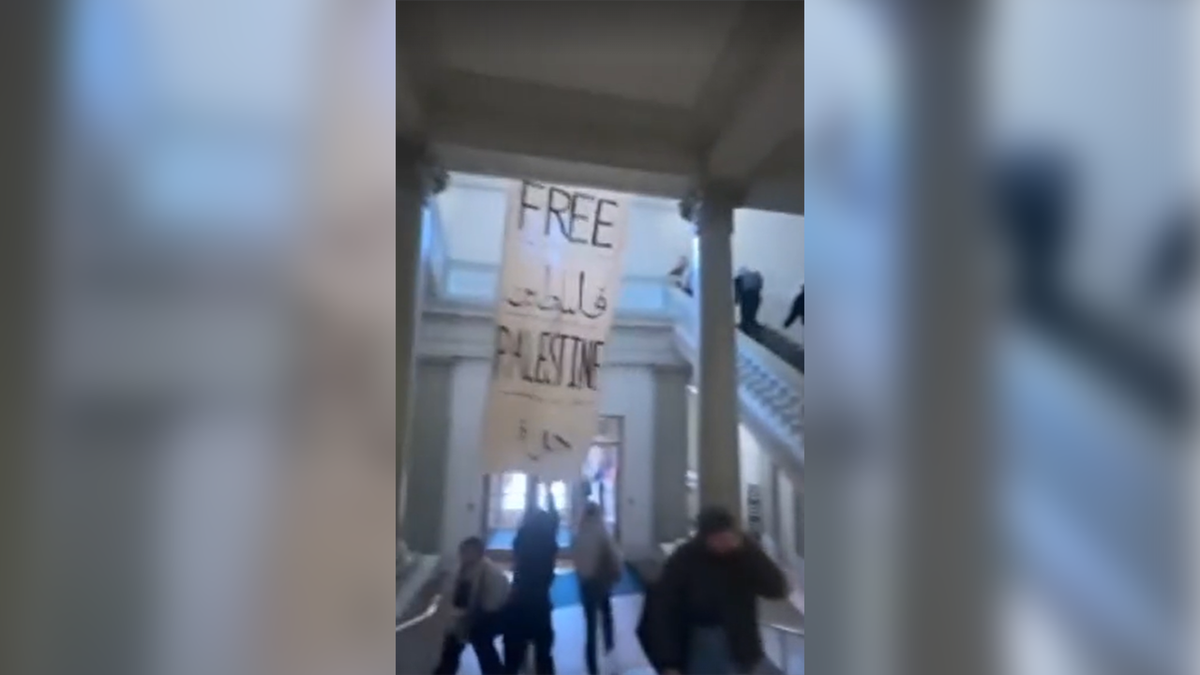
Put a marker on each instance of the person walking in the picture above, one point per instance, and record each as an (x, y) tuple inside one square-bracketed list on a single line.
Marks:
[(797, 311), (704, 617), (747, 290), (529, 611), (479, 591), (599, 568)]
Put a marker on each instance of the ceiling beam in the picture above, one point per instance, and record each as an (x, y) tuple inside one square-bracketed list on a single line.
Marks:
[(769, 114), (410, 114), (783, 194), (575, 127), (474, 160), (748, 51), (413, 52)]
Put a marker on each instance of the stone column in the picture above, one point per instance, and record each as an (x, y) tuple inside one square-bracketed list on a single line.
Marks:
[(670, 451), (798, 516), (418, 178), (769, 484), (711, 211), (947, 476), (31, 74)]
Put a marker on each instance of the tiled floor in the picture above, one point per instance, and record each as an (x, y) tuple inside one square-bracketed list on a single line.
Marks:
[(628, 658), (417, 651)]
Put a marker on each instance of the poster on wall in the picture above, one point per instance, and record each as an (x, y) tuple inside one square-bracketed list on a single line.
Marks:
[(559, 282)]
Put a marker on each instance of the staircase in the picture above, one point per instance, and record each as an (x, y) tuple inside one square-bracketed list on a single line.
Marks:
[(770, 378), (773, 390), (788, 350)]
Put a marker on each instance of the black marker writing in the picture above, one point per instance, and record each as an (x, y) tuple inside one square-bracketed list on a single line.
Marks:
[(549, 358), (560, 300), (580, 218)]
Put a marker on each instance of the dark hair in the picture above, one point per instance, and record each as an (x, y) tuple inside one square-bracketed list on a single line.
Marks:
[(714, 519), (471, 543), (591, 510)]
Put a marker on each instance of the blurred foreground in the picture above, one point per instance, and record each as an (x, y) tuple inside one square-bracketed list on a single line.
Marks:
[(200, 213), (999, 226), (198, 471)]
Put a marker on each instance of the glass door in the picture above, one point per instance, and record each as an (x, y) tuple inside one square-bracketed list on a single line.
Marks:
[(509, 494), (562, 497), (600, 473)]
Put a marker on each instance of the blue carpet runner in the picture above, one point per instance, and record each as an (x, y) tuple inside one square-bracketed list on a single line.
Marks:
[(565, 591)]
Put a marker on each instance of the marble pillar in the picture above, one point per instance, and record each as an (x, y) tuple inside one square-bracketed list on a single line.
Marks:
[(711, 210)]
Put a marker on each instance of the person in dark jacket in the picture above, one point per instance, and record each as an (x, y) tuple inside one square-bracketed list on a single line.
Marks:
[(706, 608), (529, 612), (747, 293), (797, 311)]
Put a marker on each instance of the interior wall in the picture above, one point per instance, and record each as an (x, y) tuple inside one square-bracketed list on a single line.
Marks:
[(693, 449), (788, 525), (750, 455), (773, 244), (625, 391), (670, 453)]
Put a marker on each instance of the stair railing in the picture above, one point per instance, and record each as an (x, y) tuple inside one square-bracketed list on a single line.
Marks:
[(787, 638)]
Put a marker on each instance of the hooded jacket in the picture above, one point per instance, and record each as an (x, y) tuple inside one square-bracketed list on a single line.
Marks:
[(698, 587)]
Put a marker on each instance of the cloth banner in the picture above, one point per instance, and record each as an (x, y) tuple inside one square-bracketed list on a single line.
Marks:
[(559, 283)]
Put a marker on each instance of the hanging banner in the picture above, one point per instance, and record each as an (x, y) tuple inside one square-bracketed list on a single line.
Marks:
[(559, 282)]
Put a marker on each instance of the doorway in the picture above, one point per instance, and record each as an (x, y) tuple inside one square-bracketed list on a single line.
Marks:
[(599, 484), (507, 496)]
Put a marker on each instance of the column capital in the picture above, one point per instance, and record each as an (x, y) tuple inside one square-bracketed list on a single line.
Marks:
[(710, 198), (417, 166)]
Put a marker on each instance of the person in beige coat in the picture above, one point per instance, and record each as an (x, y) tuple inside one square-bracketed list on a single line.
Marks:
[(599, 568), (478, 592)]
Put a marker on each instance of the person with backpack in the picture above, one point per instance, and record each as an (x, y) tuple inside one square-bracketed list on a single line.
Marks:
[(701, 616), (478, 593), (599, 568)]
